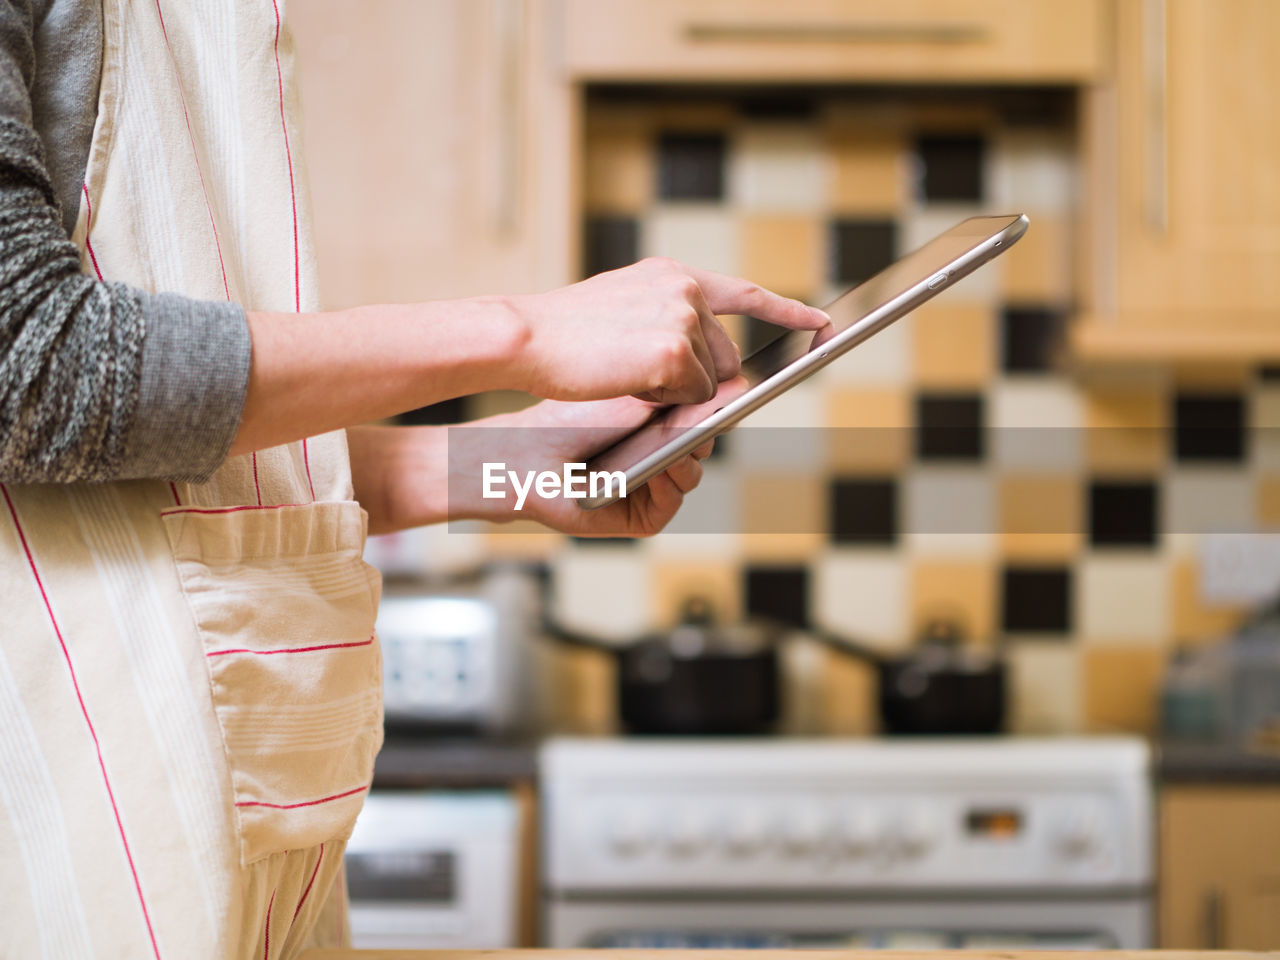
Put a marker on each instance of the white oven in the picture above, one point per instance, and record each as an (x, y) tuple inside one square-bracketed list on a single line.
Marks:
[(907, 844), (436, 869)]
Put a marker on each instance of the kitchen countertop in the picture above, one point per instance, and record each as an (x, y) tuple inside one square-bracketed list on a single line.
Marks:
[(1207, 763), (779, 954), (420, 763)]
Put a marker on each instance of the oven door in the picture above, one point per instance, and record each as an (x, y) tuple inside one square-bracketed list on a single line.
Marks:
[(431, 870), (1097, 922)]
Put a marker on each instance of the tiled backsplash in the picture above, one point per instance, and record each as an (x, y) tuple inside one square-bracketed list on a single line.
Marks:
[(1080, 497)]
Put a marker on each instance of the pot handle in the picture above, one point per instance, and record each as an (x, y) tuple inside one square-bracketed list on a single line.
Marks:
[(847, 646)]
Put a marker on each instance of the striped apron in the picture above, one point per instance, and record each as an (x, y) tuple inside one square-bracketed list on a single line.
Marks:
[(190, 693)]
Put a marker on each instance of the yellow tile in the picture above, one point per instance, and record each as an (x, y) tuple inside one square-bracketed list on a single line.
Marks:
[(1194, 620), (848, 690), (1122, 688), (953, 345), (783, 253), (1038, 267), (787, 503), (1269, 502), (869, 172), (1041, 516), (619, 171), (868, 430), (675, 584), (959, 591), (1127, 429), (582, 685)]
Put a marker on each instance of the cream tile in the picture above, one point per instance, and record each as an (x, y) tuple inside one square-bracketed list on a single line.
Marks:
[(705, 236), (884, 360), (1124, 598), (1208, 500), (865, 596), (603, 590), (1033, 171), (921, 225), (1044, 687), (785, 432), (711, 508), (949, 500), (779, 168), (1036, 424)]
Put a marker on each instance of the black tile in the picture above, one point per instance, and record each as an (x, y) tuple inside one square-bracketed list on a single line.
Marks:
[(691, 166), (779, 593), (1031, 338), (778, 105), (863, 510), (951, 167), (949, 426), (861, 248), (1209, 427), (446, 411), (1123, 513), (1036, 600), (1269, 373), (609, 243)]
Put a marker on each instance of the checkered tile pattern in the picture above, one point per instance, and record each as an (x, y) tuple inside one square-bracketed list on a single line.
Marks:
[(1076, 543)]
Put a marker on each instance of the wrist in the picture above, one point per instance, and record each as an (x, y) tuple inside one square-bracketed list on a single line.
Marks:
[(511, 333)]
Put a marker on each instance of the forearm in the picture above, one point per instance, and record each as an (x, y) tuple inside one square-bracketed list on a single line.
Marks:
[(401, 477), (313, 373)]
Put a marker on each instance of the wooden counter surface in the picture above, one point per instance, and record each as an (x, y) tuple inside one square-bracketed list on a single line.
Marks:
[(783, 955)]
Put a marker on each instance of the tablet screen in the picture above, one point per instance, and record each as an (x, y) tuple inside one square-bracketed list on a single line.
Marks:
[(790, 345)]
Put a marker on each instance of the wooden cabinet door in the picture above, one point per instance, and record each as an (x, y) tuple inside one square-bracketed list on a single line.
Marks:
[(1198, 130), (438, 141), (1219, 878)]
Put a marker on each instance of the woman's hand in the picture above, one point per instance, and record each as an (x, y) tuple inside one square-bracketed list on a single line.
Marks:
[(649, 330), (413, 476)]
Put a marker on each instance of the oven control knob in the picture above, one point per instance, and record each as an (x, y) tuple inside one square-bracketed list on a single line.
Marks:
[(916, 834), (1077, 836), (745, 836), (858, 835), (627, 835), (685, 837), (804, 834)]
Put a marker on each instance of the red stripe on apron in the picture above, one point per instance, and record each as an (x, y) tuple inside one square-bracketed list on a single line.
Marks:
[(293, 200), (84, 712)]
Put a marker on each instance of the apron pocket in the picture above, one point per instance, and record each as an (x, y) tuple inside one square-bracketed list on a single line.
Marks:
[(285, 608)]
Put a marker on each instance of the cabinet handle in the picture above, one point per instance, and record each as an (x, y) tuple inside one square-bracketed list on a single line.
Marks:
[(931, 33), (1212, 914), (1155, 146), (509, 26)]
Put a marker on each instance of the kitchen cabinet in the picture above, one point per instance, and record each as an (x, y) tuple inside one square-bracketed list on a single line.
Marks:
[(440, 147), (1219, 874), (835, 40), (1190, 198)]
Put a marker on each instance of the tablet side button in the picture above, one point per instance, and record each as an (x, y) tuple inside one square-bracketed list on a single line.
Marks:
[(936, 281)]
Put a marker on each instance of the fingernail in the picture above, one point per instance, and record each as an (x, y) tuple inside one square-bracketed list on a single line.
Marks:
[(822, 313)]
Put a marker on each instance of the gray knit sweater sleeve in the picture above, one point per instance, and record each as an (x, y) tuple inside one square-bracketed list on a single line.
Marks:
[(98, 381)]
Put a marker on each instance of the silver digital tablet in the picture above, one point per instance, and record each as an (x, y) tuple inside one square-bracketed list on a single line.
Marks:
[(795, 355)]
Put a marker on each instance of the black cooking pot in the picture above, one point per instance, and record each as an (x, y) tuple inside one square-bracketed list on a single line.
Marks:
[(942, 686), (699, 678)]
